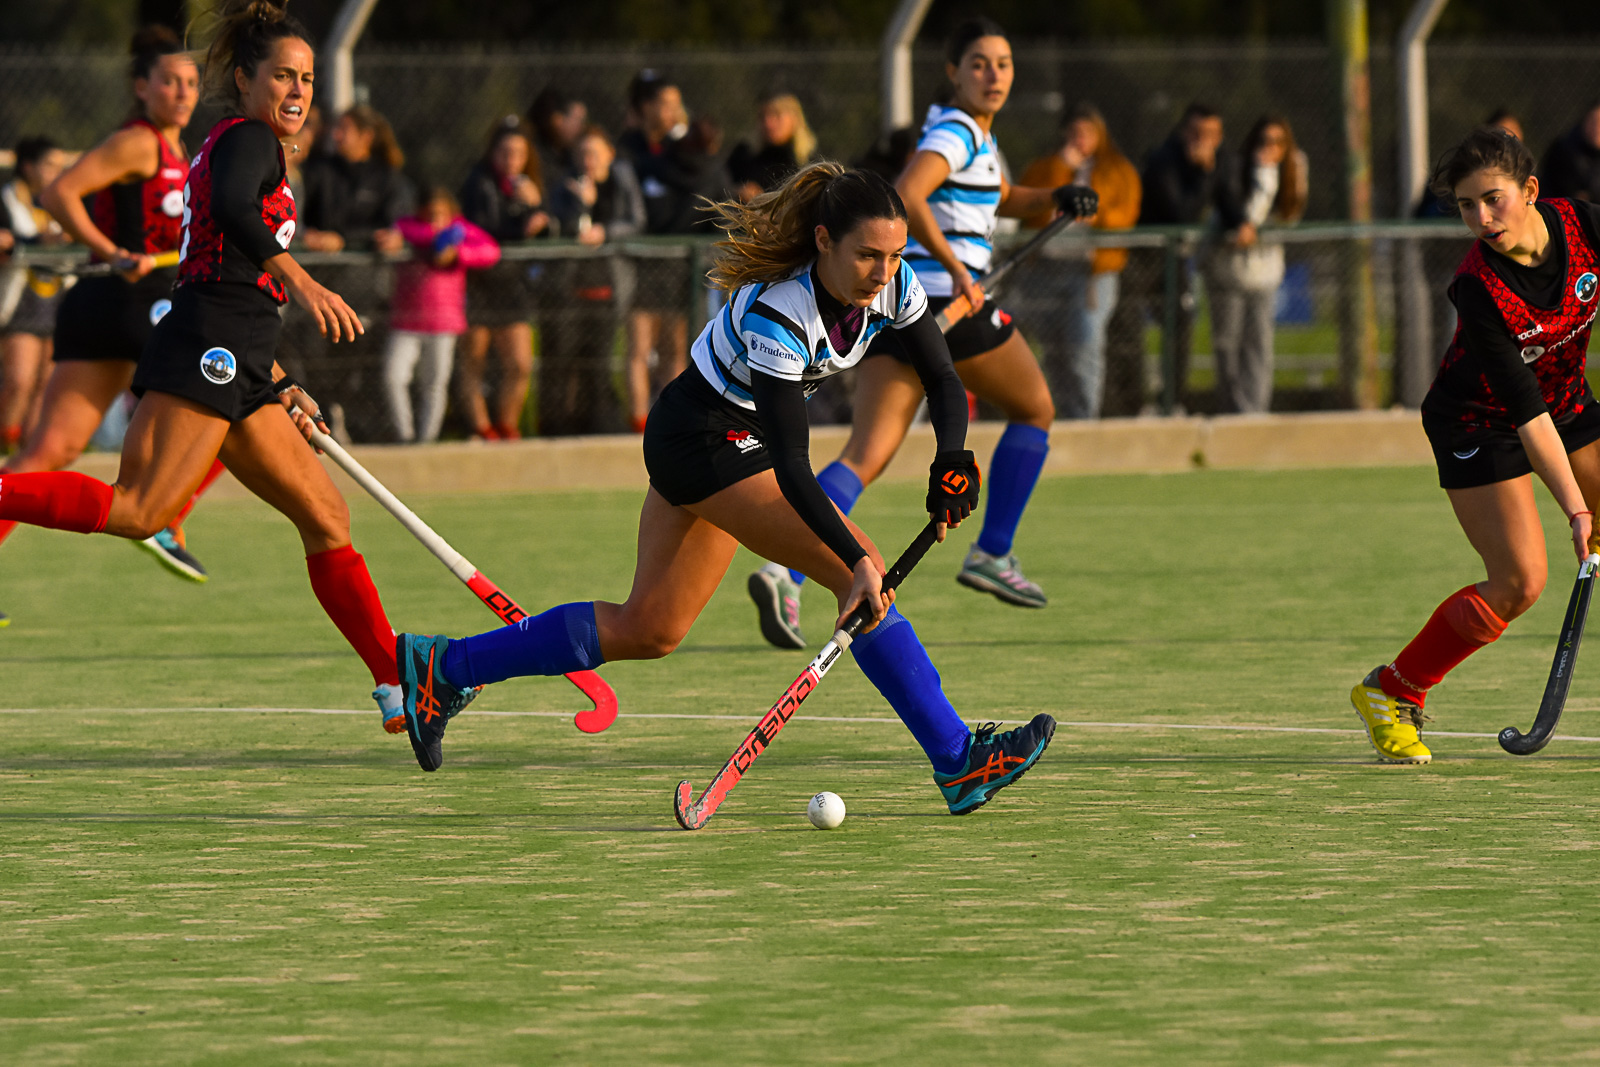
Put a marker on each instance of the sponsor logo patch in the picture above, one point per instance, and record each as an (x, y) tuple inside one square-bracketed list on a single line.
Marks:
[(172, 204), (285, 234), (159, 309), (744, 440), (1532, 352), (1586, 285), (219, 366)]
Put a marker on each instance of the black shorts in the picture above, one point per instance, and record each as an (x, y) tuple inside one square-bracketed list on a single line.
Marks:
[(1468, 458), (974, 335), (109, 318), (696, 442), (501, 295), (215, 347)]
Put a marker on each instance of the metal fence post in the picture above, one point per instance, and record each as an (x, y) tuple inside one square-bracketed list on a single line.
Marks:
[(1171, 297), (1358, 331)]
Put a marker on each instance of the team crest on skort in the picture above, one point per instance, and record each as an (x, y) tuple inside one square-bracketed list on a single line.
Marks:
[(1586, 285), (159, 309), (218, 365)]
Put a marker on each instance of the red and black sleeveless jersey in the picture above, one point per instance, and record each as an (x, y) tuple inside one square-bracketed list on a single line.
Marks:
[(207, 253), (1554, 341), (144, 216)]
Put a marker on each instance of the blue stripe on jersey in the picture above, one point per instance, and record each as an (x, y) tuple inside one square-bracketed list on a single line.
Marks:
[(948, 194), (760, 324), (960, 128)]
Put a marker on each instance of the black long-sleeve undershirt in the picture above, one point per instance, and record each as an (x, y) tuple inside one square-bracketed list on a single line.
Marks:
[(781, 407), (245, 167)]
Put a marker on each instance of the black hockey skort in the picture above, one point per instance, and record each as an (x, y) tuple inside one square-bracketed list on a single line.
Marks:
[(215, 347), (1470, 457), (697, 443), (109, 318), (974, 335)]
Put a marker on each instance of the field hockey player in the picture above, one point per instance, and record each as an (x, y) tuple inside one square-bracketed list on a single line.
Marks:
[(208, 381), (953, 190), (1510, 401), (814, 273)]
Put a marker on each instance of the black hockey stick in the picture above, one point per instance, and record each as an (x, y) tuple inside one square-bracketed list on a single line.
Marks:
[(693, 814), (1515, 741), (97, 269), (960, 307)]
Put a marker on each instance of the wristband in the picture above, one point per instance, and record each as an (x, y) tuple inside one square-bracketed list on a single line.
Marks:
[(1571, 518), (284, 384)]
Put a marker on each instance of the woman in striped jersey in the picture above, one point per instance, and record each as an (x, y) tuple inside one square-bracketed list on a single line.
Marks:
[(953, 189)]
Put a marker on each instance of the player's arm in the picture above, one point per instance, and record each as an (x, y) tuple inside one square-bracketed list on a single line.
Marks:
[(925, 173), (1490, 345), (127, 155)]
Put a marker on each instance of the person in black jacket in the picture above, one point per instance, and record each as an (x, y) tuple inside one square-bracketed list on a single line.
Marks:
[(353, 195), (1185, 179), (505, 195), (1571, 165)]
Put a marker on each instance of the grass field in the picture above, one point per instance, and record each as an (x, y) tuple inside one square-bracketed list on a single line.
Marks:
[(207, 886)]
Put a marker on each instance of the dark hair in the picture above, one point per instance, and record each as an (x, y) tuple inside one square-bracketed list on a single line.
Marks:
[(646, 85), (550, 102), (774, 234), (1290, 202), (516, 126), (1485, 148), (1501, 114), (967, 31), (385, 146), (1197, 110), (248, 31), (149, 44), (33, 149)]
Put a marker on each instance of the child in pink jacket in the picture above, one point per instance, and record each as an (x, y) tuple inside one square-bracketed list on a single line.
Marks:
[(429, 310)]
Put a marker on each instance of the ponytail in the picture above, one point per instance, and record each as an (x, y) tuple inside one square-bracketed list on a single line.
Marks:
[(248, 29), (774, 234)]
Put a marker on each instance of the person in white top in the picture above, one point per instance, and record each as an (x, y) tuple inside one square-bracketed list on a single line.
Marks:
[(953, 189)]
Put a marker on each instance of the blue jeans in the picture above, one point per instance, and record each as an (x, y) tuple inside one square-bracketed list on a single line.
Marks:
[(1078, 372)]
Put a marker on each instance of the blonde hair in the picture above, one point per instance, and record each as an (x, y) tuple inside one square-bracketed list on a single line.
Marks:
[(805, 141), (774, 234)]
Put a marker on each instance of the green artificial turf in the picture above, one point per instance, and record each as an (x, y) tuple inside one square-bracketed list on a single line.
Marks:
[(207, 886)]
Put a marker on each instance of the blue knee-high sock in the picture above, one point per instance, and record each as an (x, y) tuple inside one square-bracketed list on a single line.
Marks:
[(559, 641), (1013, 472), (842, 487), (894, 660)]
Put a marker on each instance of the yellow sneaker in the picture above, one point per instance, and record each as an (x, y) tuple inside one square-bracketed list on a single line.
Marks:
[(1393, 726)]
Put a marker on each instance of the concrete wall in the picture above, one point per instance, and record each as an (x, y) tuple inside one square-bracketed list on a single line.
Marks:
[(1332, 439)]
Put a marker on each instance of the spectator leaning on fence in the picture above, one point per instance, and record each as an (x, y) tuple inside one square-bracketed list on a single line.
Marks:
[(1081, 293), (1243, 272), (354, 194), (1181, 187), (558, 121), (430, 310), (505, 197), (787, 144), (28, 299), (1571, 165), (598, 201)]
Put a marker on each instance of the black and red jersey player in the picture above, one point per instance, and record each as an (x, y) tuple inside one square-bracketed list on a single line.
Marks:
[(123, 199), (1510, 401), (208, 382)]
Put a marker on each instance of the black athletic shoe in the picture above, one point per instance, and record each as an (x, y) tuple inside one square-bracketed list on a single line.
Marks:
[(430, 700), (5, 620), (994, 761), (170, 554)]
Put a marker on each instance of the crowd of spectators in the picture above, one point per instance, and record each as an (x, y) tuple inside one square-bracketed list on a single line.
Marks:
[(464, 322)]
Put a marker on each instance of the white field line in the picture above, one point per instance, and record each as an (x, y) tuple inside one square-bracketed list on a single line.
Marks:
[(1085, 724)]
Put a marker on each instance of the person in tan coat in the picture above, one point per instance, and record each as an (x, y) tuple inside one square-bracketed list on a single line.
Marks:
[(1082, 291)]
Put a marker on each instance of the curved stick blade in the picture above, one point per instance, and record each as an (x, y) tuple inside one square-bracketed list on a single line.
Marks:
[(1518, 743), (1515, 741), (600, 717), (689, 815)]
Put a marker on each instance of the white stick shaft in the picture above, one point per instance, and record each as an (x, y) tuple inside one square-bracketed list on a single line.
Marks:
[(420, 530)]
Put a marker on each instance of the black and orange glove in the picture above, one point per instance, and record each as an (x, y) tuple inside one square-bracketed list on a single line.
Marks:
[(1076, 201), (952, 487)]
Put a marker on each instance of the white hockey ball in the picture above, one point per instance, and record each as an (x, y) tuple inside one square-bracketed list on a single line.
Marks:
[(825, 811)]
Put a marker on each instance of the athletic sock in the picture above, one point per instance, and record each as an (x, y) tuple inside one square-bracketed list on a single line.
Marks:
[(894, 660), (843, 488), (1013, 472), (1459, 626), (205, 483), (56, 500), (5, 530), (559, 641), (343, 587)]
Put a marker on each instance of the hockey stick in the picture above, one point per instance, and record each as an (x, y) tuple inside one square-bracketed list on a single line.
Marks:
[(593, 721), (1515, 741), (98, 269), (692, 816), (961, 307)]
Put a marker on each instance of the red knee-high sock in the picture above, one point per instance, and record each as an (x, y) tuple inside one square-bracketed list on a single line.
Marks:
[(205, 483), (58, 500), (344, 588), (1458, 627), (5, 530)]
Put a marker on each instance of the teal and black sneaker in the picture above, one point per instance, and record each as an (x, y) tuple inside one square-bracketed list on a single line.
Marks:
[(430, 701), (994, 761), (391, 707), (167, 547)]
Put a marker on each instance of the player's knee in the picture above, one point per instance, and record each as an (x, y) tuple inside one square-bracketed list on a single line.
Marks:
[(1517, 593), (653, 642), (53, 451)]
